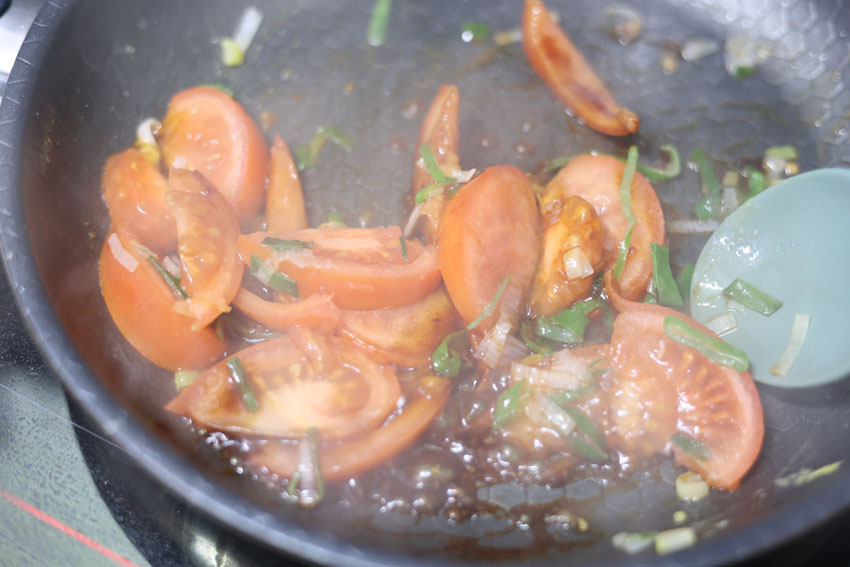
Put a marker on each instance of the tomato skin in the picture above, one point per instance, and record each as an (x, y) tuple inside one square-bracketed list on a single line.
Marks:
[(300, 381), (207, 231), (339, 461), (285, 210), (363, 268), (135, 191), (596, 179), (317, 312), (569, 224), (440, 131), (568, 75), (490, 229), (714, 404), (217, 138), (405, 335), (142, 307)]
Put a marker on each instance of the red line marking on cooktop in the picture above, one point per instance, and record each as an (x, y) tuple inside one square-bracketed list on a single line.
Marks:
[(54, 523)]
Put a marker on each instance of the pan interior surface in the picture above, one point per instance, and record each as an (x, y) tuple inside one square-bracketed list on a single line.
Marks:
[(310, 65)]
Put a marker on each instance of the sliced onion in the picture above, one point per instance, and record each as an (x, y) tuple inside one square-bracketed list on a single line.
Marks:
[(729, 199), (546, 413), (792, 349), (180, 162), (121, 254), (566, 372), (632, 542), (577, 264), (247, 27), (695, 49), (489, 351), (171, 266), (146, 139), (623, 23), (411, 222), (722, 324), (674, 540), (691, 487), (266, 271), (692, 226), (308, 495)]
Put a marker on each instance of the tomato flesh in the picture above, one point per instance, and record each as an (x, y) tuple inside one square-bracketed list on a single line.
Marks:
[(285, 200), (300, 381)]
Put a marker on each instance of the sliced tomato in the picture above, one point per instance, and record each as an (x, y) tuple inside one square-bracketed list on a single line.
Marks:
[(568, 75), (317, 311), (490, 229), (211, 133), (362, 268), (142, 306), (662, 388), (596, 179), (300, 381), (440, 131), (572, 229), (135, 190), (404, 335), (207, 231), (285, 210), (339, 461)]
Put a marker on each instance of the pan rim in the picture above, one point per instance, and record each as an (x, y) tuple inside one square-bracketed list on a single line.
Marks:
[(173, 470)]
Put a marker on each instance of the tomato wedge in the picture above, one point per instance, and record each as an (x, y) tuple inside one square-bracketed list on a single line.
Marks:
[(568, 75), (662, 388), (440, 131), (284, 201), (206, 237), (574, 231), (490, 229), (362, 268), (299, 381), (339, 461), (211, 133), (596, 179), (404, 335), (142, 306), (317, 311), (135, 190)]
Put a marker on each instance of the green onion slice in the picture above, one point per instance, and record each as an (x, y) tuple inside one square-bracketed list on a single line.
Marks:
[(662, 276), (282, 245), (586, 426), (585, 306), (336, 136), (446, 360), (684, 280), (240, 376), (507, 405), (336, 218), (490, 307), (428, 191), (749, 295), (403, 244), (580, 446), (314, 437), (566, 327), (183, 378), (377, 32), (711, 347), (690, 445), (626, 204), (527, 336), (706, 171), (655, 174), (218, 86), (474, 31), (432, 166), (557, 163), (307, 155), (709, 206), (786, 153), (755, 179), (232, 54), (172, 282), (621, 255), (272, 278), (563, 397)]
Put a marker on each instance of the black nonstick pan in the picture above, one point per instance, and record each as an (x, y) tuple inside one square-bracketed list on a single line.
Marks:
[(90, 70)]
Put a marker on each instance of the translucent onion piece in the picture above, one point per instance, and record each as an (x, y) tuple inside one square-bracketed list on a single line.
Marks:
[(696, 49), (546, 413), (489, 351), (247, 27), (722, 324), (411, 222), (692, 226), (623, 23), (146, 139), (674, 540), (792, 349), (120, 253), (691, 487), (566, 372), (171, 266), (577, 264), (632, 542), (729, 199)]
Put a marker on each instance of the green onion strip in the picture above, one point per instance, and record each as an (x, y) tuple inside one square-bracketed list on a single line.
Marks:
[(490, 307), (240, 377), (507, 405), (626, 204), (272, 278), (172, 282), (751, 296), (662, 276), (711, 347), (377, 32)]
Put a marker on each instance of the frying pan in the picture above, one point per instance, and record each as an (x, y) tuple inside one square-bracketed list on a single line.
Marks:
[(90, 70)]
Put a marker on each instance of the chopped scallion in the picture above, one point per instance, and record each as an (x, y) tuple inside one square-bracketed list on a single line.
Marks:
[(218, 86), (307, 155), (587, 427), (490, 307), (183, 378), (748, 294), (527, 336), (314, 438), (673, 168), (336, 218), (240, 377), (706, 171), (282, 245), (272, 278), (621, 255), (474, 31), (626, 204), (403, 244), (429, 191), (675, 539), (432, 166), (566, 327), (563, 397), (786, 153), (711, 347), (691, 446), (446, 360), (231, 54), (507, 404), (336, 136), (172, 282), (557, 163), (686, 276), (662, 276), (581, 447), (585, 306), (755, 179), (377, 33)]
